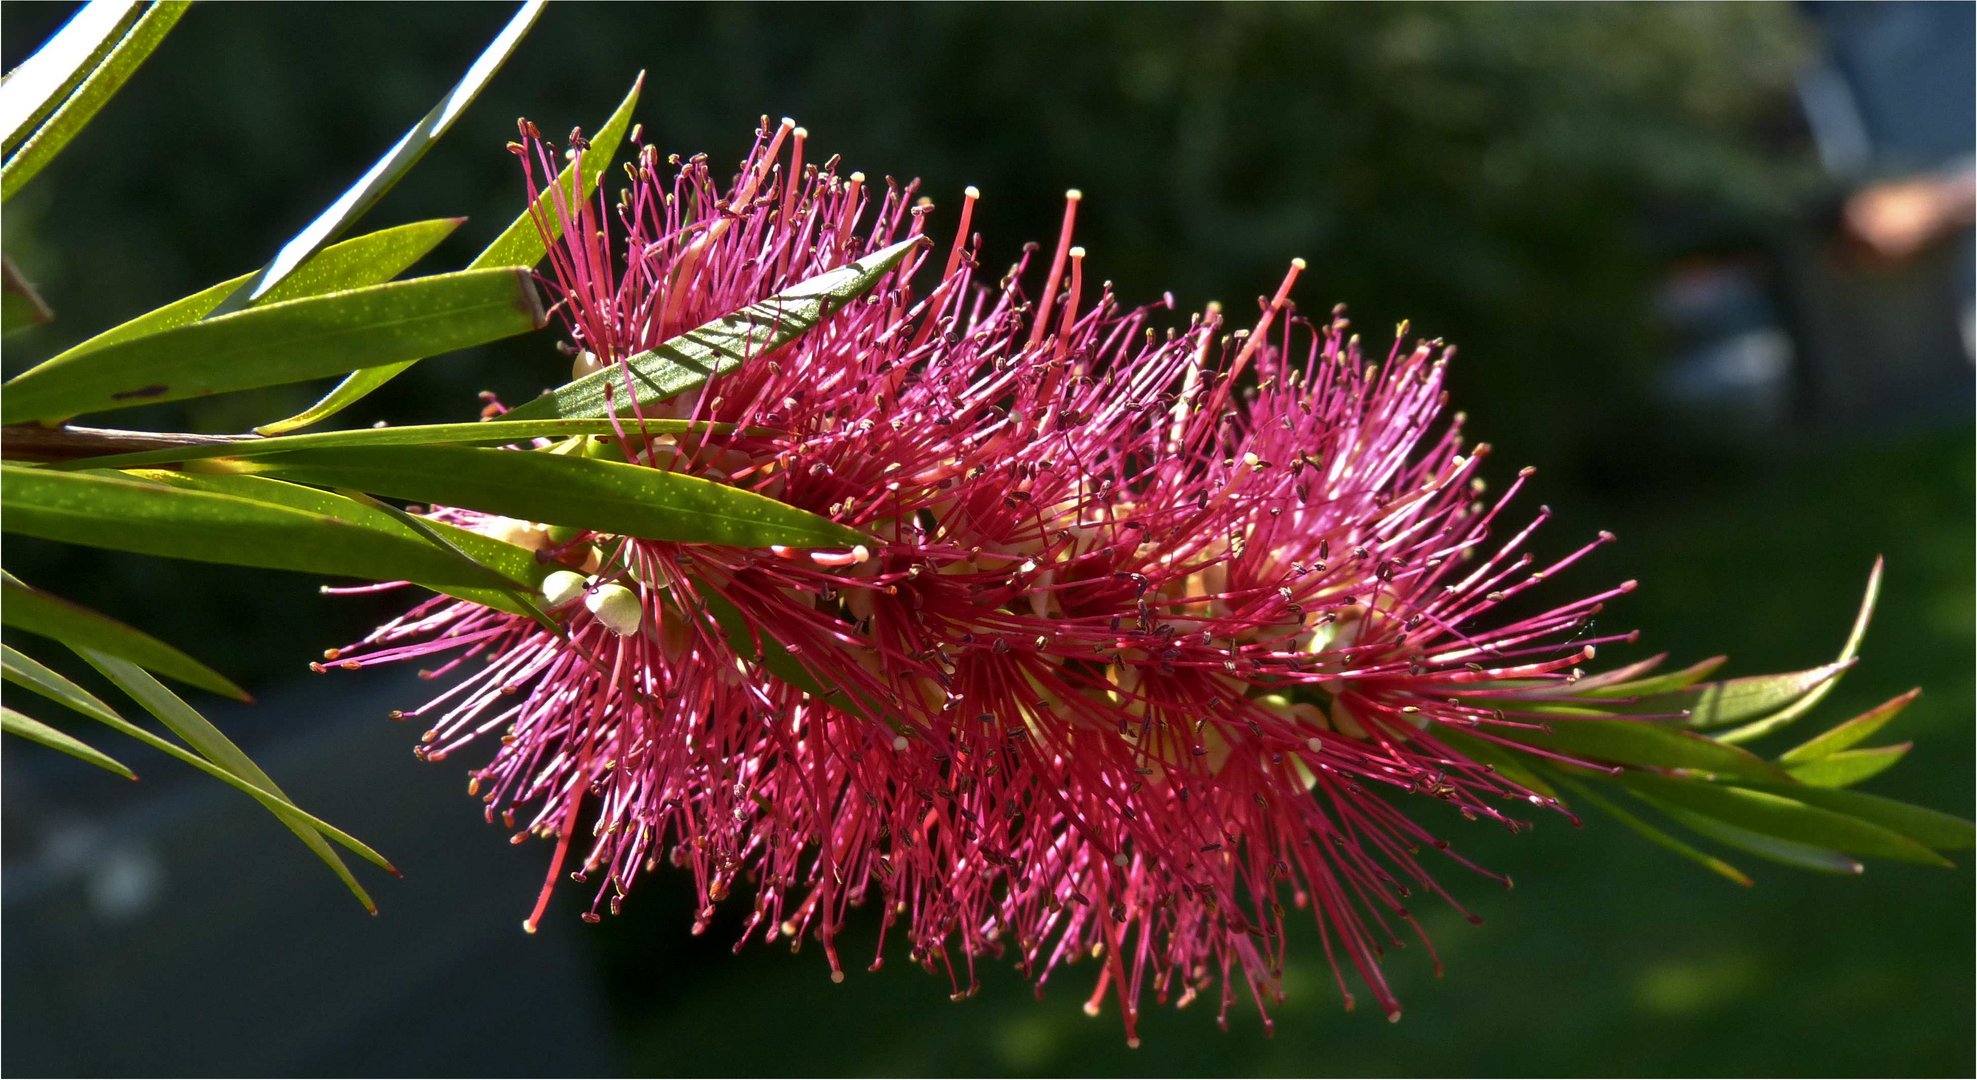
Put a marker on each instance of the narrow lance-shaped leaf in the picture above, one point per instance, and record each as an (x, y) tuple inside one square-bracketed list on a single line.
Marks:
[(520, 244), (1944, 832), (560, 489), (39, 84), (1849, 767), (1786, 812), (1643, 744), (1848, 651), (370, 259), (397, 161), (27, 727), (216, 748), (523, 242), (25, 671), (1715, 704), (103, 82), (510, 562), (1652, 684), (282, 343), (498, 432), (1849, 733), (37, 612), (689, 360), (1787, 852), (128, 514)]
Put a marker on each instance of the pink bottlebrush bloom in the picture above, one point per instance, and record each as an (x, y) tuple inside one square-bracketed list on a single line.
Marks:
[(1152, 626)]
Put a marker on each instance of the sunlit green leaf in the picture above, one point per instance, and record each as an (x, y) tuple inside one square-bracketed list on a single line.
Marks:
[(27, 727), (1715, 704), (1785, 812), (37, 612), (1848, 734), (1653, 684), (43, 81), (105, 79), (1765, 725), (127, 513), (1849, 767), (722, 345), (396, 162), (1643, 744), (370, 259), (216, 748), (25, 671), (282, 343), (560, 489), (520, 244), (494, 432), (511, 563)]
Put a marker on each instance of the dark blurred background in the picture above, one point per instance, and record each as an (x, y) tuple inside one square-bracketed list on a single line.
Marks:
[(1708, 266)]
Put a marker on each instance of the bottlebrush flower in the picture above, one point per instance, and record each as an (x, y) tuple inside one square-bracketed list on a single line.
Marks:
[(1162, 624)]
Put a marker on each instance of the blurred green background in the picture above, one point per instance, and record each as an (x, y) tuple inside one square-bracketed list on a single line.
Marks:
[(1535, 183)]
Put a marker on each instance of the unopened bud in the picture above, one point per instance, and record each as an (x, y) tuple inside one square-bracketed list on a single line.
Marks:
[(616, 607), (562, 587)]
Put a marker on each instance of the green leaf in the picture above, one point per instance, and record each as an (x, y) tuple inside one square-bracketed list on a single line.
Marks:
[(397, 161), (1848, 651), (24, 671), (27, 727), (510, 562), (1786, 812), (1716, 704), (37, 612), (1849, 767), (520, 244), (216, 748), (1657, 836), (104, 80), (282, 343), (1643, 744), (1802, 856), (722, 345), (365, 260), (45, 80), (370, 259), (497, 432), (1938, 830), (1655, 684), (116, 511), (1848, 733), (564, 489)]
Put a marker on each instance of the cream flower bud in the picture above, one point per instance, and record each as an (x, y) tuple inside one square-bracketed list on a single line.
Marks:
[(562, 587), (616, 607)]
